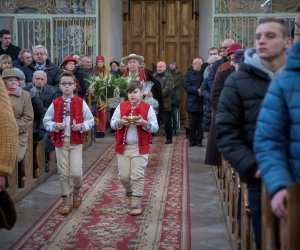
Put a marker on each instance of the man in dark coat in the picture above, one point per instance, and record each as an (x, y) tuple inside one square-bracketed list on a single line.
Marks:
[(6, 46), (239, 105), (41, 62), (166, 83), (194, 102)]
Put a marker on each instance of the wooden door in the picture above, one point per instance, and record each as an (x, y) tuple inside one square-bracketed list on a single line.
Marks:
[(161, 30)]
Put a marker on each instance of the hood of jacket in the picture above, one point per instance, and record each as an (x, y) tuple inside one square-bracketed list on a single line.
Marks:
[(293, 58), (252, 59)]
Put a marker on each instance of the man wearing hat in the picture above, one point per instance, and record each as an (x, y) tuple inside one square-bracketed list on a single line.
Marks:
[(134, 71), (8, 155)]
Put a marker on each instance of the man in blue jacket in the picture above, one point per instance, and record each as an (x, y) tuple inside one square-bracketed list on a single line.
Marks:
[(277, 137)]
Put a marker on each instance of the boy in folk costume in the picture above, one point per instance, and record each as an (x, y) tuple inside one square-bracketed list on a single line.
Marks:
[(134, 121), (69, 118)]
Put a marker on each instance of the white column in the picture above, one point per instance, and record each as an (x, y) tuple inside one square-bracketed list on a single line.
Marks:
[(111, 30), (205, 27)]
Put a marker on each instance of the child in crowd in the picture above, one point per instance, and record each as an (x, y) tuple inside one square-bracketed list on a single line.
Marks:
[(5, 62), (132, 142), (69, 118)]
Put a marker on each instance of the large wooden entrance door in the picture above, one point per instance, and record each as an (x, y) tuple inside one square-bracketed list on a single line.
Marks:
[(161, 30)]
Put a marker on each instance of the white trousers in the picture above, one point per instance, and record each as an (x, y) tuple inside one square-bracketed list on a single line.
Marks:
[(132, 166), (69, 164)]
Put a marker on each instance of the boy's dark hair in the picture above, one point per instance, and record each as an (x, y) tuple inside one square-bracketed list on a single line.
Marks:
[(67, 74), (4, 32), (132, 85), (284, 25)]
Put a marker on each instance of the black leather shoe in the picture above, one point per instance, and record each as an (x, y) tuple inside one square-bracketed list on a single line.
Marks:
[(168, 141), (200, 144), (192, 144)]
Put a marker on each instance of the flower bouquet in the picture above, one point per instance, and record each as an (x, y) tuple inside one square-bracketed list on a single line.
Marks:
[(104, 88)]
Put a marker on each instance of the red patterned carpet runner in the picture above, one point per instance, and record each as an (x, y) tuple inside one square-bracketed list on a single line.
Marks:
[(103, 220)]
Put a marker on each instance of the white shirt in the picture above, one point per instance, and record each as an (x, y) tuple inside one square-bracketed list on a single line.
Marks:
[(132, 137), (88, 119)]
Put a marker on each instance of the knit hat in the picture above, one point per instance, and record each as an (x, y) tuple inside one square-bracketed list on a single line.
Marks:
[(100, 58), (172, 62), (238, 55), (233, 47), (10, 73), (113, 62), (68, 59), (8, 215), (132, 56)]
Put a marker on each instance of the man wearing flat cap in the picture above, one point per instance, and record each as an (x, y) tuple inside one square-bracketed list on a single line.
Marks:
[(135, 71)]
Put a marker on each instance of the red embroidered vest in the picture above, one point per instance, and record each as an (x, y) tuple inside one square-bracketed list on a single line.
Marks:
[(144, 137), (60, 109)]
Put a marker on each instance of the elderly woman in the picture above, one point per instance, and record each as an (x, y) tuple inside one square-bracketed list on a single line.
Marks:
[(22, 108)]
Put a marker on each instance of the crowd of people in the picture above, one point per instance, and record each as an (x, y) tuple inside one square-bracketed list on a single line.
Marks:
[(244, 98)]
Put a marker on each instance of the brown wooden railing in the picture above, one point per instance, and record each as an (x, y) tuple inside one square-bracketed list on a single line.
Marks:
[(277, 234)]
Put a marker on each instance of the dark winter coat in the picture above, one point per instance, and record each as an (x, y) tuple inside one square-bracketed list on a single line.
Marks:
[(238, 109), (166, 83), (192, 82), (12, 50), (213, 156), (52, 70)]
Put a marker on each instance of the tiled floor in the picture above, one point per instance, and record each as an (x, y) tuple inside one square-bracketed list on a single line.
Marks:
[(209, 231)]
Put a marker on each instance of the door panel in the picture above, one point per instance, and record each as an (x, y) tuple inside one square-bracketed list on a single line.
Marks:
[(161, 30)]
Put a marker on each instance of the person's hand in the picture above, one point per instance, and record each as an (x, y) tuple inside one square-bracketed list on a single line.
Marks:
[(278, 204), (199, 91), (141, 122), (257, 174), (76, 127), (60, 126), (2, 182), (123, 121)]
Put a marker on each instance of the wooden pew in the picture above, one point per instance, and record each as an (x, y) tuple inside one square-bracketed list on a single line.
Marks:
[(234, 195), (38, 158), (279, 234)]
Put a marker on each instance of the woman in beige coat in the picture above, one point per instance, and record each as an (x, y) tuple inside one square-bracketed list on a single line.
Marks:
[(8, 136), (22, 108)]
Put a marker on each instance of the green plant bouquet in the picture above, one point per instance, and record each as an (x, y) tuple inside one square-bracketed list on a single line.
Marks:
[(105, 88)]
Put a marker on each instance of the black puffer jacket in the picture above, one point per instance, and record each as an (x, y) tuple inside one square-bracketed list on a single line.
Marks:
[(238, 108)]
